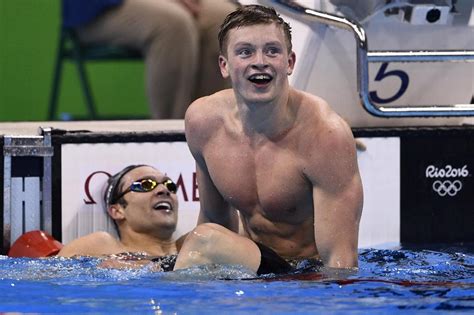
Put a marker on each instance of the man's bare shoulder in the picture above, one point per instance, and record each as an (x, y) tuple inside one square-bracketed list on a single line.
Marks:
[(329, 149), (94, 244), (208, 108), (317, 115), (206, 114), (323, 132), (309, 98)]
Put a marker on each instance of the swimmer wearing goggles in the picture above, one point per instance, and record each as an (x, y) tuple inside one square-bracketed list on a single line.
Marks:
[(112, 194)]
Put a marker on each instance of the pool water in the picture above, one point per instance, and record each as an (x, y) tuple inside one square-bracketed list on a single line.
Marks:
[(388, 281)]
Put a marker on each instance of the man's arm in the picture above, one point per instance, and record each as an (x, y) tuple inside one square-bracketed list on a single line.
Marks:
[(199, 128), (214, 208), (94, 244), (338, 199)]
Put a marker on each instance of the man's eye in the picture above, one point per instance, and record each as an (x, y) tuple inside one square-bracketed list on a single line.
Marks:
[(273, 51), (244, 52)]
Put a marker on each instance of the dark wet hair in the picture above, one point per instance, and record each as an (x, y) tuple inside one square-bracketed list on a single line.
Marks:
[(114, 187), (249, 15)]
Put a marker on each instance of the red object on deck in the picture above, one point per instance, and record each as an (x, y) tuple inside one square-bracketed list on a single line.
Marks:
[(35, 244)]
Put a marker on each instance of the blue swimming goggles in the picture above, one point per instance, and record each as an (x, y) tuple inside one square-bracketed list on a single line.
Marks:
[(148, 184)]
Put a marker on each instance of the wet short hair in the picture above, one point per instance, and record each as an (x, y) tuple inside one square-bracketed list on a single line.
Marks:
[(249, 15), (114, 188)]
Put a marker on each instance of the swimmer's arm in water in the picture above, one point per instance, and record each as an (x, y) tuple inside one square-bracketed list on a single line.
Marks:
[(94, 244), (337, 197)]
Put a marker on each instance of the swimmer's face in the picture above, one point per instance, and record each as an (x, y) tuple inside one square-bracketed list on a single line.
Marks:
[(258, 62), (152, 211)]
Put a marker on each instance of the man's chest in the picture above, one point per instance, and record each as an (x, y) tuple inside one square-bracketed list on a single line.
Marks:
[(268, 179)]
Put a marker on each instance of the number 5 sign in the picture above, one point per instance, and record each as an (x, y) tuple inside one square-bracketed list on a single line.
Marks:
[(382, 74), (419, 83)]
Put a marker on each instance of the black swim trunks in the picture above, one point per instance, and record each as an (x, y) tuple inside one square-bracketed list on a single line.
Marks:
[(271, 262)]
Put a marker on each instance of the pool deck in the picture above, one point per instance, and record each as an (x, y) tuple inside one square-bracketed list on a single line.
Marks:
[(32, 128)]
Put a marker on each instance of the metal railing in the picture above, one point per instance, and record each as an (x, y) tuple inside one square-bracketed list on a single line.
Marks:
[(26, 198), (364, 56)]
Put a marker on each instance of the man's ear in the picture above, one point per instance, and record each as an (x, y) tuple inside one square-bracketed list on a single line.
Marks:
[(291, 62), (223, 66), (116, 212)]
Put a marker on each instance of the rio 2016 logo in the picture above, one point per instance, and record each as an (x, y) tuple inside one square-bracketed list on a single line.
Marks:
[(448, 179)]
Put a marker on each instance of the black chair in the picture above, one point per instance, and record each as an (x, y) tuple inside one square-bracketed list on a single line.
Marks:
[(71, 49)]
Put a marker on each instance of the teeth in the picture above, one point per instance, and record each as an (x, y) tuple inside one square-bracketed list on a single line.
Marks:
[(163, 206), (260, 77)]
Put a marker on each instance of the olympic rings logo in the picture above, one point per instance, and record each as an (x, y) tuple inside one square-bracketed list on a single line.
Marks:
[(447, 187)]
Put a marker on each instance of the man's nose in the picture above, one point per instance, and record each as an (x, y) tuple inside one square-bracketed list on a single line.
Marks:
[(260, 60), (162, 190)]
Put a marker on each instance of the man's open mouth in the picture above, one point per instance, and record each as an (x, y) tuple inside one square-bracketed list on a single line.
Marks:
[(260, 78), (163, 205)]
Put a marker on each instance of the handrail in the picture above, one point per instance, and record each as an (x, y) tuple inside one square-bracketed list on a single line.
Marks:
[(364, 57)]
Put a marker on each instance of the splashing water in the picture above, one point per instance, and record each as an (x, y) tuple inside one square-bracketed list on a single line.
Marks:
[(387, 281)]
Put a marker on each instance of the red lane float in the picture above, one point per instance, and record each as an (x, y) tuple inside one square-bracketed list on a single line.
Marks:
[(35, 244)]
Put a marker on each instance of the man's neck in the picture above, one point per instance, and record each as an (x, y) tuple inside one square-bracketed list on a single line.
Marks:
[(151, 244), (270, 120)]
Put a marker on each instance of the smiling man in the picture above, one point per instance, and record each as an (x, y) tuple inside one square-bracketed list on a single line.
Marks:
[(143, 204), (280, 157)]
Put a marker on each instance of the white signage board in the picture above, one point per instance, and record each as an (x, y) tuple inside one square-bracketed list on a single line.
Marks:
[(83, 178), (380, 171), (84, 169)]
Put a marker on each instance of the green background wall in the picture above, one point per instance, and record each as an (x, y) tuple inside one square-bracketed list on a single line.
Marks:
[(28, 41)]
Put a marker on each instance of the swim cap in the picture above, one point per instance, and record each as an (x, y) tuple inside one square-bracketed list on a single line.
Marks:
[(111, 191)]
